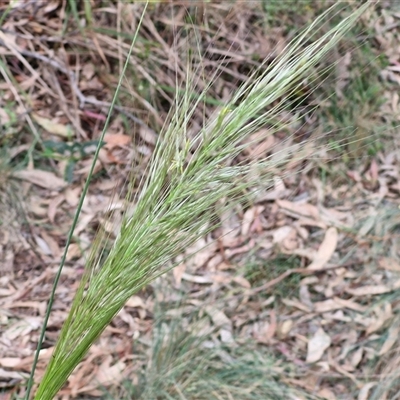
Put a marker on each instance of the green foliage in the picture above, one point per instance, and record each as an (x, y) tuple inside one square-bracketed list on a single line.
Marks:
[(186, 364), (353, 112), (72, 152), (259, 271), (9, 127), (276, 11)]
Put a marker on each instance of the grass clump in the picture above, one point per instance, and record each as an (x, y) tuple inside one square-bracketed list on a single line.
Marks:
[(192, 178), (188, 361), (259, 271)]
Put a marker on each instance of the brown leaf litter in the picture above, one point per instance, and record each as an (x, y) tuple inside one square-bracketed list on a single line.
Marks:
[(321, 316)]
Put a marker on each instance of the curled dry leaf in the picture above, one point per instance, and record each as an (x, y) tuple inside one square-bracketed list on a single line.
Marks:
[(54, 207), (291, 242)]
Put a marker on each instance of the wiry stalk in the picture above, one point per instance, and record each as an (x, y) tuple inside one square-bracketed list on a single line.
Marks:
[(186, 178)]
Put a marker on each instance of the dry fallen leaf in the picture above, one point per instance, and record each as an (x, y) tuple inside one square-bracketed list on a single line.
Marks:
[(177, 272), (270, 332), (201, 251), (53, 127), (42, 245), (217, 316), (230, 227), (356, 357), (8, 375), (393, 335), (108, 374), (226, 336), (389, 264), (44, 179), (317, 346), (240, 280), (9, 362), (326, 394), (363, 394), (248, 218), (259, 143), (297, 304), (21, 328), (135, 301), (300, 209), (74, 251), (326, 249), (384, 314), (116, 140), (285, 328), (374, 170), (281, 233), (352, 305), (372, 290), (148, 135), (203, 280), (334, 217)]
